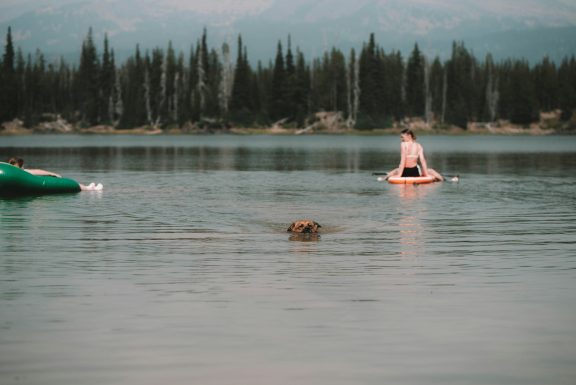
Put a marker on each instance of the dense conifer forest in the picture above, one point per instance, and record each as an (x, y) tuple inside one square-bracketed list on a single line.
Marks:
[(208, 88)]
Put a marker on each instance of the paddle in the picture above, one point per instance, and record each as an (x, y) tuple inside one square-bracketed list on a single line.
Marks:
[(450, 178), (380, 179)]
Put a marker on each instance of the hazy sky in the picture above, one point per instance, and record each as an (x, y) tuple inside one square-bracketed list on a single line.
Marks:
[(11, 8), (313, 24)]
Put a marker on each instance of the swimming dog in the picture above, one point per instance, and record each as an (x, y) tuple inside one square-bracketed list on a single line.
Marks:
[(305, 226)]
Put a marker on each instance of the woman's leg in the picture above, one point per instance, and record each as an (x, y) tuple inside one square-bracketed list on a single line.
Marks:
[(435, 174), (91, 187), (395, 172)]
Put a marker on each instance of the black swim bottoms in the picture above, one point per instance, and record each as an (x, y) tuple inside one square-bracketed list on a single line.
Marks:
[(410, 171)]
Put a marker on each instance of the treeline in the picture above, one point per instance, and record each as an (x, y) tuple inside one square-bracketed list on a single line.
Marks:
[(207, 87)]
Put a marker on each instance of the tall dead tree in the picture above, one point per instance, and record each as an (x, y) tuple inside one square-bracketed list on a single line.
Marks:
[(353, 90), (427, 92), (226, 81), (147, 96), (492, 93), (201, 86)]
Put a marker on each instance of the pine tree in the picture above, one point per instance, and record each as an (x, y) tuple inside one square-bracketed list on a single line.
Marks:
[(241, 103), (436, 87), (133, 93), (415, 93), (546, 83), (87, 84), (8, 82), (428, 115), (460, 95), (169, 99), (107, 82), (524, 108), (20, 74), (277, 106), (368, 79), (64, 91), (393, 86), (301, 89), (289, 88), (262, 89), (337, 70), (191, 106), (505, 100), (155, 87), (372, 106), (40, 85), (567, 88), (214, 81)]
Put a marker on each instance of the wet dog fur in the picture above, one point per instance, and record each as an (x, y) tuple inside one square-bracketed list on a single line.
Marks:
[(304, 226)]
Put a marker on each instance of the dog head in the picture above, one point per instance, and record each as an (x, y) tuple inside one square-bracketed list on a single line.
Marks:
[(304, 226)]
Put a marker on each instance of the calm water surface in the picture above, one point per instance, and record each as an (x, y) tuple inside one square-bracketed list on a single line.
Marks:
[(181, 270)]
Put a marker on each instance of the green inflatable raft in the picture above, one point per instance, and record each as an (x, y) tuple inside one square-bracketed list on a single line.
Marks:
[(17, 182)]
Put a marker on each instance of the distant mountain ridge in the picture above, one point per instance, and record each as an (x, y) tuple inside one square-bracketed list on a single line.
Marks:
[(530, 29)]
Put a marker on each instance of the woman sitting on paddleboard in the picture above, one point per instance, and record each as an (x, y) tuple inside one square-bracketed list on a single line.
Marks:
[(412, 152)]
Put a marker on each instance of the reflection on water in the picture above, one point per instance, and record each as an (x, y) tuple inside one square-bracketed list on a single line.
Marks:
[(410, 198), (451, 155), (307, 237), (181, 270)]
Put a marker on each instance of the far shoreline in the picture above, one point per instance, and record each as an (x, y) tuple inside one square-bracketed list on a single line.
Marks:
[(291, 132), (274, 131), (549, 124)]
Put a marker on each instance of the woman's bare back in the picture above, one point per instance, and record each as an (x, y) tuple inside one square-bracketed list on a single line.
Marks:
[(412, 151)]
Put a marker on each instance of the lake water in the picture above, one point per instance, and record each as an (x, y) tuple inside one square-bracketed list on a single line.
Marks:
[(181, 271)]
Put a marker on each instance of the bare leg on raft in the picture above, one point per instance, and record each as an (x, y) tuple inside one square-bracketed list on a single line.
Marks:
[(436, 175), (92, 187)]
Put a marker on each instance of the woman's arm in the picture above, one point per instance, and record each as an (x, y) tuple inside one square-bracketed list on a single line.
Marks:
[(402, 159), (423, 161), (42, 173)]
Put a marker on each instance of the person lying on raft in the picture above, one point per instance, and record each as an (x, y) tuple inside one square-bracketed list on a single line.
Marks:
[(412, 152), (19, 162)]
